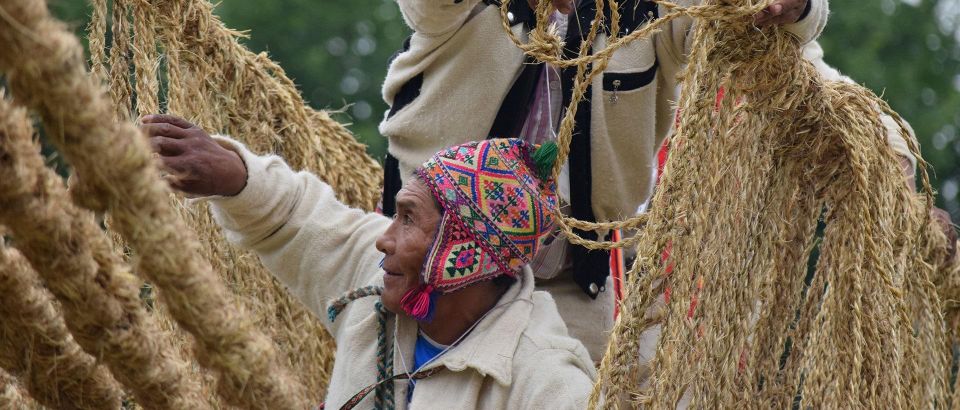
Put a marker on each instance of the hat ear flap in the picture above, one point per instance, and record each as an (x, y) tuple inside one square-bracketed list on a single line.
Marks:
[(543, 159)]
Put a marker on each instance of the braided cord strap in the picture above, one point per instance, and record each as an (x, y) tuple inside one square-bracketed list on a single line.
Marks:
[(337, 306), (383, 389)]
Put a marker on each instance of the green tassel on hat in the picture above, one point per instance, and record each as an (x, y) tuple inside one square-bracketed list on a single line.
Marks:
[(544, 158)]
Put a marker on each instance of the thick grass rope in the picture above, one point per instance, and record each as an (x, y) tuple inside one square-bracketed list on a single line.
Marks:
[(112, 156), (739, 325), (99, 298), (42, 354), (97, 27), (120, 58), (146, 59), (217, 83), (250, 97)]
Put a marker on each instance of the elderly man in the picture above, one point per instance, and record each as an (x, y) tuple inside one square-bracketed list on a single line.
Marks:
[(438, 307)]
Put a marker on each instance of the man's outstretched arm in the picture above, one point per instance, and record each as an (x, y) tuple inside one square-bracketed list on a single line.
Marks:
[(317, 246)]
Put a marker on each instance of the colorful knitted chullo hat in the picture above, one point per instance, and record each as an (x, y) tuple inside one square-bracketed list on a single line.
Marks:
[(496, 202)]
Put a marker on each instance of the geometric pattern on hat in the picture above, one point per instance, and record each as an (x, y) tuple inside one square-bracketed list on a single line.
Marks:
[(496, 212)]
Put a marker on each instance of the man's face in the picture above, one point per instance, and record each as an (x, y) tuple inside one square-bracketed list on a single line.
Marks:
[(406, 242)]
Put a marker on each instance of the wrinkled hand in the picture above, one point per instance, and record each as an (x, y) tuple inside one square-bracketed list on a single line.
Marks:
[(780, 12), (942, 218), (196, 163), (563, 6)]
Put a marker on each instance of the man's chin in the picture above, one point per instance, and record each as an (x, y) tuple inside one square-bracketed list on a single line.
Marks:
[(391, 302)]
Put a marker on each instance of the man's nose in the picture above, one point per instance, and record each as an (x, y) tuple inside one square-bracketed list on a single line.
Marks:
[(385, 243)]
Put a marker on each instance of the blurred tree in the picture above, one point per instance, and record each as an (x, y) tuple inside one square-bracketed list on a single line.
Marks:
[(337, 51), (907, 51)]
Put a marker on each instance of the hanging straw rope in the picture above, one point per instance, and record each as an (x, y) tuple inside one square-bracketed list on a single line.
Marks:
[(65, 245), (738, 324), (113, 158), (217, 83), (54, 369), (120, 59)]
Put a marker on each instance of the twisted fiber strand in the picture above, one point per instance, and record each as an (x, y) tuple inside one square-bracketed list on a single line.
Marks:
[(260, 105), (857, 299), (175, 97), (621, 357), (727, 287), (784, 257), (895, 216), (756, 209), (96, 38), (850, 307), (307, 348), (669, 381), (146, 59), (55, 370), (296, 331), (65, 245), (221, 85), (115, 158), (926, 310), (119, 59), (948, 286), (782, 293)]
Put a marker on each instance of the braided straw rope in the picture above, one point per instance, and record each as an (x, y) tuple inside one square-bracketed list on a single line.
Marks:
[(220, 85), (38, 348), (119, 58), (738, 324), (113, 158), (70, 252)]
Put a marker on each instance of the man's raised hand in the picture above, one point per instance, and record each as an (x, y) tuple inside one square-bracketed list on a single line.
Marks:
[(196, 164)]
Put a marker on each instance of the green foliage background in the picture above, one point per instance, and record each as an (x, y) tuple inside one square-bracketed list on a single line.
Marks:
[(337, 51)]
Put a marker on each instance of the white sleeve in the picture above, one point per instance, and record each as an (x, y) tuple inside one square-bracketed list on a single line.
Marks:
[(810, 26), (813, 53), (436, 17), (314, 244)]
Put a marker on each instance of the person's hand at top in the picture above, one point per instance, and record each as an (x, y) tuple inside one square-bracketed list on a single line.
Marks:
[(942, 218), (196, 163), (563, 6), (780, 12)]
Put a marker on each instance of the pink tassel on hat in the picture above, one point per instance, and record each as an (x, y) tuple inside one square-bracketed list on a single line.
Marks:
[(418, 303)]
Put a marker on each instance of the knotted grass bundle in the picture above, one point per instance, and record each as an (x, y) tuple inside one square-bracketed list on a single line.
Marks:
[(212, 80), (36, 346), (46, 71), (737, 210), (69, 251)]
